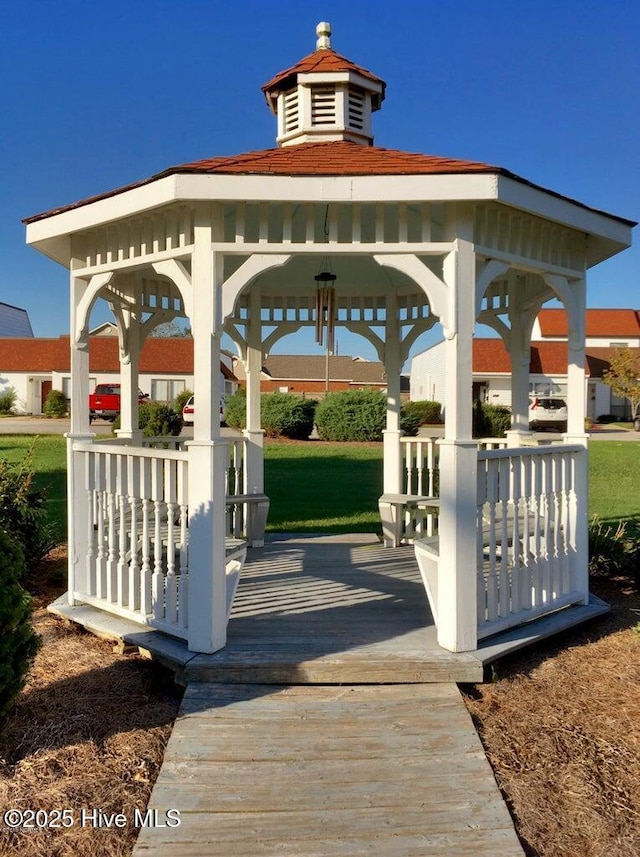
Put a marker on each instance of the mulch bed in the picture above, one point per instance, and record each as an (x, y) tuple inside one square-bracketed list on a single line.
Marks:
[(88, 731), (560, 724), (561, 727)]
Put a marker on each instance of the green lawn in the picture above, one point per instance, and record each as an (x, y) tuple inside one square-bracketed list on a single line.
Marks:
[(614, 479), (333, 487), (50, 467)]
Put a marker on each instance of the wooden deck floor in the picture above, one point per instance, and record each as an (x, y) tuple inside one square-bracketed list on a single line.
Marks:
[(391, 771), (333, 609), (330, 725)]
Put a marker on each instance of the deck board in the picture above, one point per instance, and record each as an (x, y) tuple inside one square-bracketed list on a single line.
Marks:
[(332, 609), (313, 770)]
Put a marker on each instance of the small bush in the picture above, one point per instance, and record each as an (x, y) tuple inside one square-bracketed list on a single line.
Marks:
[(613, 549), (236, 409), (355, 415), (23, 512), (283, 414), (415, 414), (156, 419), (7, 400), (56, 404), (603, 419), (18, 641), (181, 400), (490, 420), (427, 412)]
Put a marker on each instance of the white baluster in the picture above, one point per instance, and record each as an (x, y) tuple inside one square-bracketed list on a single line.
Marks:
[(171, 585), (133, 486), (146, 605), (157, 579)]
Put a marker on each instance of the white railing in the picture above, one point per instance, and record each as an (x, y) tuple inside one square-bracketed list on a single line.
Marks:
[(137, 557), (420, 466), (528, 541)]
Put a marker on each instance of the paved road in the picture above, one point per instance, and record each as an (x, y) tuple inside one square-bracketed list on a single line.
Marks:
[(41, 425)]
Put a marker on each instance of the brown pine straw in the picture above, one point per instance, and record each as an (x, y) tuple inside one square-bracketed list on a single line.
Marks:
[(89, 730), (561, 728), (560, 724)]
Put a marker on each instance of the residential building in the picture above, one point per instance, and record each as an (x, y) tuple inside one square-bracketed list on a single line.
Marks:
[(35, 366), (606, 330)]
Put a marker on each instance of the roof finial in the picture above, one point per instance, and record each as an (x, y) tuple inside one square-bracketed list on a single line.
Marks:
[(323, 31)]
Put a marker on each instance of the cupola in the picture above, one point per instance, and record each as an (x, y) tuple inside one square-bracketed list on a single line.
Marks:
[(324, 97)]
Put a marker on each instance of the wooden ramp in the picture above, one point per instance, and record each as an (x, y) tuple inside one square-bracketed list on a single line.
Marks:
[(327, 771)]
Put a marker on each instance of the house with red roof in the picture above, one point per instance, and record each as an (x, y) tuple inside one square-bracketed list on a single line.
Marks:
[(606, 330), (35, 366)]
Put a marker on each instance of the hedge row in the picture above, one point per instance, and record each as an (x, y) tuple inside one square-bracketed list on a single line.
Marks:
[(355, 415)]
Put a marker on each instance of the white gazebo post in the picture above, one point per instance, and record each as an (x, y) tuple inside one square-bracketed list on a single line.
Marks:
[(392, 453), (519, 347), (254, 435), (129, 339), (457, 583), (575, 434), (78, 512), (207, 606)]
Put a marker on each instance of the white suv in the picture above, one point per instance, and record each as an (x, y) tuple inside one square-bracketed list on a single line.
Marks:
[(547, 412)]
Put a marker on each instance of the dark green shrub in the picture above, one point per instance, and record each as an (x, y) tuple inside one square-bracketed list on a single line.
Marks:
[(285, 415), (56, 404), (181, 400), (490, 420), (604, 419), (236, 409), (7, 400), (156, 419), (415, 414), (429, 413), (18, 641), (23, 512), (355, 415)]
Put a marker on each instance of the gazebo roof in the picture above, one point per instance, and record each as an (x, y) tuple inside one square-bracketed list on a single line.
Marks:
[(334, 158), (320, 61)]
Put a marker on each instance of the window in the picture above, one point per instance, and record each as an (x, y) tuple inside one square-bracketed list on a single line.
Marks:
[(66, 386), (166, 389), (619, 344)]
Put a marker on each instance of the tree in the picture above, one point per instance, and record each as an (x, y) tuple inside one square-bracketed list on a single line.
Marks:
[(623, 377), (170, 329)]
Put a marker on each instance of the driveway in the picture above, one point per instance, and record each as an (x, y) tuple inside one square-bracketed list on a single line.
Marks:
[(42, 425)]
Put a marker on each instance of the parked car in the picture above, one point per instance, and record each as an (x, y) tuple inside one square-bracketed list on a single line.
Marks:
[(188, 412), (547, 412), (104, 402)]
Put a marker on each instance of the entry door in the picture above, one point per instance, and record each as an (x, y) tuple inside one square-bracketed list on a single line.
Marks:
[(45, 389)]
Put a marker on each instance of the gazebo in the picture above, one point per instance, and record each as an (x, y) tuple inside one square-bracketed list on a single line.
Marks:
[(327, 230)]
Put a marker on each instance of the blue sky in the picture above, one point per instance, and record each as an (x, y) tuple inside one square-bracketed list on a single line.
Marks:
[(99, 94)]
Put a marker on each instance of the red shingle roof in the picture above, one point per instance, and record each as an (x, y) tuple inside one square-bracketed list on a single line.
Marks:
[(333, 158), (311, 367), (159, 354), (323, 60), (599, 322), (547, 358)]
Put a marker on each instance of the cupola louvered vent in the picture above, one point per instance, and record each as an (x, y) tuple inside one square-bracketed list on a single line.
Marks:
[(324, 98), (356, 109), (323, 105), (291, 111)]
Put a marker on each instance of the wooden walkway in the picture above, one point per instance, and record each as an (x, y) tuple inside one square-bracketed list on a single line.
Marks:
[(330, 725), (327, 771)]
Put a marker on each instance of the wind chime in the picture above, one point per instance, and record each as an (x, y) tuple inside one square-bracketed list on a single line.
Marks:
[(325, 310)]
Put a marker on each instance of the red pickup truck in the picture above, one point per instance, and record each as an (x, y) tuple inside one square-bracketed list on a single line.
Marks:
[(104, 402)]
